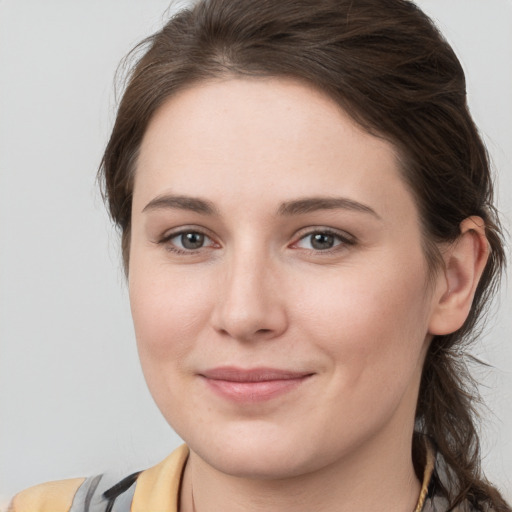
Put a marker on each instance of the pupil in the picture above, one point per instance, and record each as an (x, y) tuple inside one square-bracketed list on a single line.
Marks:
[(322, 241), (192, 240)]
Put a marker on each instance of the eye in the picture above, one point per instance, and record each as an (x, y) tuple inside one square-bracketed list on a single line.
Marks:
[(323, 240), (190, 240), (187, 241)]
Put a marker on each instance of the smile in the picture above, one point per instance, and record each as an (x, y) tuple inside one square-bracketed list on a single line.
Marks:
[(253, 385)]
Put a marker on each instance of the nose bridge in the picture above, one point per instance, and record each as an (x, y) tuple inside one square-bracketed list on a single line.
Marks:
[(250, 305)]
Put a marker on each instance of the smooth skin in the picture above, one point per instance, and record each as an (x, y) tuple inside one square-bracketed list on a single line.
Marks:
[(269, 230)]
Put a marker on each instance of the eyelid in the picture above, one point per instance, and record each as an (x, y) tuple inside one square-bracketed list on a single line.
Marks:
[(346, 238), (166, 238)]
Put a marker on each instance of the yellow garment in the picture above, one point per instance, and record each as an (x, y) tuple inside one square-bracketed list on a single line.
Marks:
[(49, 497), (157, 489)]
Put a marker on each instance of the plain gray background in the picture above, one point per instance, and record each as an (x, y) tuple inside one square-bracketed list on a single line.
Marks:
[(72, 397)]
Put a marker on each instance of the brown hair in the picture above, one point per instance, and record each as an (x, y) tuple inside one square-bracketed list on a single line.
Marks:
[(388, 66)]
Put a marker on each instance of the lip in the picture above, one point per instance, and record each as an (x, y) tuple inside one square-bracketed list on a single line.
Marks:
[(254, 384)]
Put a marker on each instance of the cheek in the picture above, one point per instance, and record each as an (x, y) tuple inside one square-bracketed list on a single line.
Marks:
[(372, 324), (168, 310), (168, 314), (373, 336)]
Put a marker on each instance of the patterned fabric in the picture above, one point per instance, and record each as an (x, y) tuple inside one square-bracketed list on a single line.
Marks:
[(97, 494)]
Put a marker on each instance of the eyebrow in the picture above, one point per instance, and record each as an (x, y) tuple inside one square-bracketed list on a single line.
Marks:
[(312, 204), (288, 208), (193, 204)]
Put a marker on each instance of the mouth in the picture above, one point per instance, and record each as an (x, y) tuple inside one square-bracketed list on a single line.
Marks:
[(252, 385)]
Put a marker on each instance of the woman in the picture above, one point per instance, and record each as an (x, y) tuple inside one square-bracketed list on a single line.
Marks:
[(309, 239)]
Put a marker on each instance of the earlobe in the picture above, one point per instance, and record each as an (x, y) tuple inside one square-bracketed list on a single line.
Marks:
[(464, 262)]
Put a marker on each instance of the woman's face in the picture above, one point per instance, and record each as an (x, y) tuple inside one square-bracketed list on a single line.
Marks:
[(277, 279)]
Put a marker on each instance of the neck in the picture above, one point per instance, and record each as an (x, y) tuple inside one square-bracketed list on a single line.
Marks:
[(378, 476)]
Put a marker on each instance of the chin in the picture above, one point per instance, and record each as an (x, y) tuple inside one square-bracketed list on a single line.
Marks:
[(262, 452), (251, 464)]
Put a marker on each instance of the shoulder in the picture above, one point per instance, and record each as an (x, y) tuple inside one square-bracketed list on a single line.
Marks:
[(156, 488), (49, 497)]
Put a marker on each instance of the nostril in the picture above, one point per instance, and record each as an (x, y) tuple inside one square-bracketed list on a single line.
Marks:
[(249, 316)]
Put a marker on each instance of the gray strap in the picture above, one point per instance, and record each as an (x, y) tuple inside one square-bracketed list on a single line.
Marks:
[(89, 496)]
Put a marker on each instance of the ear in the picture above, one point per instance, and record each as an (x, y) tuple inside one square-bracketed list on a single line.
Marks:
[(464, 262)]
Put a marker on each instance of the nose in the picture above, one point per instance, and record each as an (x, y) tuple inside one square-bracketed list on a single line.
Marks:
[(251, 302)]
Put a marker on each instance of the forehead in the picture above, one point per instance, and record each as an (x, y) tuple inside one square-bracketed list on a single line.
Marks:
[(237, 137)]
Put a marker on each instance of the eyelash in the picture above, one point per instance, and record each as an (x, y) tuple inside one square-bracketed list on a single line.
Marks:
[(166, 241), (344, 240)]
